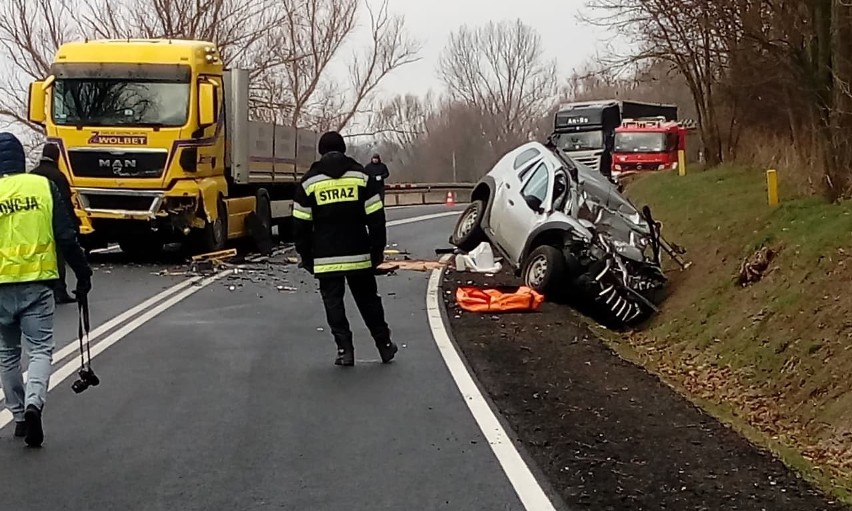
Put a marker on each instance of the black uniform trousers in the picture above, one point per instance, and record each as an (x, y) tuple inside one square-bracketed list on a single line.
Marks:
[(366, 294)]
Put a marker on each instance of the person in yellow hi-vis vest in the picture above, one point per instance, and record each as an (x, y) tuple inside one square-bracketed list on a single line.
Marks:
[(34, 221), (340, 233)]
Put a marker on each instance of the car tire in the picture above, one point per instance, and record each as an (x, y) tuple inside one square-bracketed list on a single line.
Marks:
[(468, 233), (544, 270)]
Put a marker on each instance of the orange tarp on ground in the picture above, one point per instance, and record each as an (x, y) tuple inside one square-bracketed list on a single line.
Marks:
[(473, 299)]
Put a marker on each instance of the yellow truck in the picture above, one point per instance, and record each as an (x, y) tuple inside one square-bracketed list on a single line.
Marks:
[(160, 145)]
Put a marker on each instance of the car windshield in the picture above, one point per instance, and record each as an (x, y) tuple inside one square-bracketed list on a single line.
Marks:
[(112, 102), (580, 141), (640, 142)]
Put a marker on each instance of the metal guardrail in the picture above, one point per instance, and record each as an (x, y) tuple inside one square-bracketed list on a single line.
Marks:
[(413, 194)]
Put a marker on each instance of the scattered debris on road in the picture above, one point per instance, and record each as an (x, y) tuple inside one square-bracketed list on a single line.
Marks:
[(410, 265)]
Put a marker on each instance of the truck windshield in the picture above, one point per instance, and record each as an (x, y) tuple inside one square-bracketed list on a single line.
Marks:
[(640, 142), (582, 141), (111, 102)]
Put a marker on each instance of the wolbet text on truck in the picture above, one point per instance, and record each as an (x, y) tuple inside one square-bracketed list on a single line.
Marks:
[(158, 143)]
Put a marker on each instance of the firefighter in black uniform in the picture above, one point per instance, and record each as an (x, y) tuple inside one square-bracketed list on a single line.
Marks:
[(339, 230)]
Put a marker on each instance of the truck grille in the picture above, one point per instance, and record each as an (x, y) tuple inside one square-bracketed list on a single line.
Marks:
[(111, 164), (632, 167), (593, 161), (119, 202)]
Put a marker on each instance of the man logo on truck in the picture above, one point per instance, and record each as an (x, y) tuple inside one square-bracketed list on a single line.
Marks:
[(117, 165)]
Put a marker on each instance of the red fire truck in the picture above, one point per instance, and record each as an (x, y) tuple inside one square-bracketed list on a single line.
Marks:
[(649, 144)]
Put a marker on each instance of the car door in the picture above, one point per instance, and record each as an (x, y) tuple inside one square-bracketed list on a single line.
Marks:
[(517, 218)]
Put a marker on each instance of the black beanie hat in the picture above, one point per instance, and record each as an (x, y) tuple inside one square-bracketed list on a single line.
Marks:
[(331, 141)]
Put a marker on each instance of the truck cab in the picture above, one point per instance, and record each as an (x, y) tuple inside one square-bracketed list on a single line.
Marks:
[(157, 143), (643, 145)]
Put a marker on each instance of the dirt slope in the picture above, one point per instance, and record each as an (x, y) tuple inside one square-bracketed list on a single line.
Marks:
[(774, 357)]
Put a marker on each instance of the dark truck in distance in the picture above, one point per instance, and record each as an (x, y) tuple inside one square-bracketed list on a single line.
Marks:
[(586, 130), (567, 230)]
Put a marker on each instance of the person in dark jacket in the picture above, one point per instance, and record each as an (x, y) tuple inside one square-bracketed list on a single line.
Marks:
[(378, 171), (34, 223), (339, 231), (49, 168)]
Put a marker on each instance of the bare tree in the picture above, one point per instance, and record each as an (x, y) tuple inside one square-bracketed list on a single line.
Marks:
[(30, 32), (500, 69), (288, 44), (691, 35)]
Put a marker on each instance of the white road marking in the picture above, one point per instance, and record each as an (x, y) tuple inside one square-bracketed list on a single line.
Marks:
[(121, 318), (71, 367), (529, 491), (403, 221)]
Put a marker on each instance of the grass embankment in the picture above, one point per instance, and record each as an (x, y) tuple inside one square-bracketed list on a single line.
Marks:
[(774, 358)]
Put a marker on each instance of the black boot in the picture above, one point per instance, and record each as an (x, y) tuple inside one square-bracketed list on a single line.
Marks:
[(35, 434), (345, 357), (20, 429), (387, 350)]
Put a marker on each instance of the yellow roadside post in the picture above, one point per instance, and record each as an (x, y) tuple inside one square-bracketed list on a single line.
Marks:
[(681, 162), (772, 186)]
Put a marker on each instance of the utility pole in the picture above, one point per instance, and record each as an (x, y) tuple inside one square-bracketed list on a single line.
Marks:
[(455, 179)]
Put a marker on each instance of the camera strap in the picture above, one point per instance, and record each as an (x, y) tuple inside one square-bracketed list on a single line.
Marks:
[(83, 331)]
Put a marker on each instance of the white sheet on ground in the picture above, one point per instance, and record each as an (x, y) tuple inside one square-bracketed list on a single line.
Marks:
[(480, 260)]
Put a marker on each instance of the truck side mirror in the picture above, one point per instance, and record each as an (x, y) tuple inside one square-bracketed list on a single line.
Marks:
[(36, 103), (207, 104)]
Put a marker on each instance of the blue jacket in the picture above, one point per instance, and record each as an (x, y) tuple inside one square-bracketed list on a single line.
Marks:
[(14, 161)]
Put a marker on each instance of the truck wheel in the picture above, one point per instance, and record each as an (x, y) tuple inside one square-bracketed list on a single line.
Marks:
[(544, 271), (214, 235), (468, 233)]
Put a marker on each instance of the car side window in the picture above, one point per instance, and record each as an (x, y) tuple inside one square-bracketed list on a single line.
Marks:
[(537, 184), (524, 158)]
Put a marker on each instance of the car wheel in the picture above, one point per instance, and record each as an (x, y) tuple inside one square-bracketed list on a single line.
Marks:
[(468, 233), (544, 271)]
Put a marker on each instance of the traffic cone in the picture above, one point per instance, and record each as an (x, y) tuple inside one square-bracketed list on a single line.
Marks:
[(451, 199)]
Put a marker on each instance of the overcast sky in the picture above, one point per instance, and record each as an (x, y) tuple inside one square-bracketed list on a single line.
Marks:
[(431, 21)]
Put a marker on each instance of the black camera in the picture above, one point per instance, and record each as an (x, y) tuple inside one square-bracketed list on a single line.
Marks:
[(87, 379)]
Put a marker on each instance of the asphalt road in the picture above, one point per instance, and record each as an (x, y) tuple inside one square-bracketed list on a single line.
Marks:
[(229, 400)]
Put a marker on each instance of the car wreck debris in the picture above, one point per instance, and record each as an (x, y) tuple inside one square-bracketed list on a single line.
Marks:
[(754, 267)]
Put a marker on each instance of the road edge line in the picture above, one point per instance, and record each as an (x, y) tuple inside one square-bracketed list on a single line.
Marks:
[(423, 218), (527, 487)]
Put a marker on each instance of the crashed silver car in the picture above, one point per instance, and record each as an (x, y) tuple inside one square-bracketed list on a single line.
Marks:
[(568, 231)]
